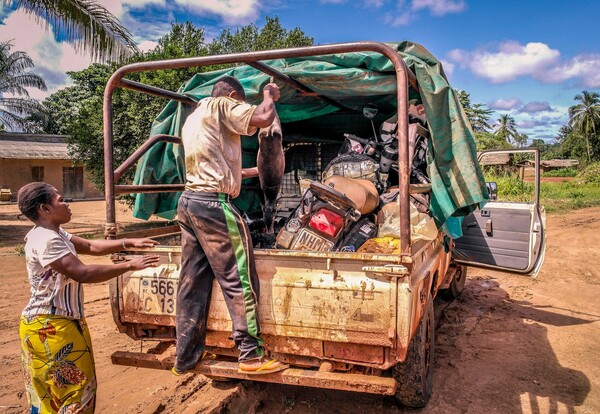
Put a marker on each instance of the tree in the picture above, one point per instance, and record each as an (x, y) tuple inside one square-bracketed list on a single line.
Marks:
[(488, 141), (14, 78), (521, 140), (585, 117), (569, 144), (539, 144), (84, 23), (251, 38), (506, 128), (477, 114), (78, 108)]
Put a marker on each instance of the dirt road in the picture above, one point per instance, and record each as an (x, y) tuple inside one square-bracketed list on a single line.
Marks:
[(509, 344)]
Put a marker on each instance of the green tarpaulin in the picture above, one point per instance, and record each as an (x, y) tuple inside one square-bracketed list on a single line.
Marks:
[(351, 79)]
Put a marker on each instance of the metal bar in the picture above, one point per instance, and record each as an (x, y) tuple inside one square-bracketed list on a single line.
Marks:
[(109, 178), (154, 232), (537, 176), (403, 151), (156, 91), (295, 84), (292, 376), (138, 153), (403, 77), (149, 188)]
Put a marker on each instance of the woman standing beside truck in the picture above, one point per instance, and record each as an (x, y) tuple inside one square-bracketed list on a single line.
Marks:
[(56, 349)]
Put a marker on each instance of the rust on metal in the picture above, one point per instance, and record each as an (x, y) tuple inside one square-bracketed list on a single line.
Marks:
[(292, 376), (149, 188), (296, 85), (153, 232), (348, 351), (156, 91), (138, 153), (404, 77)]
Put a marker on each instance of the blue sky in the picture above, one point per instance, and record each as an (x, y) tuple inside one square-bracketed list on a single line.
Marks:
[(525, 58)]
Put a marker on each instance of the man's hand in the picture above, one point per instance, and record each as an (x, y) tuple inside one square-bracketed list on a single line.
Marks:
[(271, 89)]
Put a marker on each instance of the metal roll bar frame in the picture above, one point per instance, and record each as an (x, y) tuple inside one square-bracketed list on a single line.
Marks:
[(404, 77)]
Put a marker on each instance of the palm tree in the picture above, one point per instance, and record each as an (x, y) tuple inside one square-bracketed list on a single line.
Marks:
[(477, 114), (506, 128), (521, 140), (14, 78), (585, 116), (84, 23)]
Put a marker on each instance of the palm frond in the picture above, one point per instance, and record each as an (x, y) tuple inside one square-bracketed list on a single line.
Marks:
[(17, 84), (86, 24), (20, 106)]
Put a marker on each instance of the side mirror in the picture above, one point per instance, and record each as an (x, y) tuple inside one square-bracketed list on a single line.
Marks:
[(492, 188), (369, 110)]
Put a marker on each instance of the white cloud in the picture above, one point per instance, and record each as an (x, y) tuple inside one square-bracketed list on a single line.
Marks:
[(534, 107), (439, 7), (509, 62), (120, 7), (52, 59), (231, 11), (374, 3), (448, 67), (147, 45), (399, 19), (505, 104), (142, 3), (584, 68)]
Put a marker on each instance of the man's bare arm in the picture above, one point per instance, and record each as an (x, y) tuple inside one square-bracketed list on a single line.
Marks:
[(265, 112)]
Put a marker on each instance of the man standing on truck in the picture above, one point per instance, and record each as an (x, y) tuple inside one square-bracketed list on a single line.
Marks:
[(215, 241)]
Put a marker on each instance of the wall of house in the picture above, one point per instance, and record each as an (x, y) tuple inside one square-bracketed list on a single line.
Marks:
[(15, 173), (89, 188)]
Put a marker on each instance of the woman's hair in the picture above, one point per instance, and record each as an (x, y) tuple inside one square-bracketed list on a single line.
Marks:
[(30, 197)]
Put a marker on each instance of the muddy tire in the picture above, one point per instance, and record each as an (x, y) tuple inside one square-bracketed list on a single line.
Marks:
[(414, 377), (457, 285)]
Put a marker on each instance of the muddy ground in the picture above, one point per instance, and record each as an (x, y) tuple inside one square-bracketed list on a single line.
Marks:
[(509, 344)]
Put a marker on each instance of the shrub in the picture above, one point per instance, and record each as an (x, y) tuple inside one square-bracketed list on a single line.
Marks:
[(590, 174), (562, 172)]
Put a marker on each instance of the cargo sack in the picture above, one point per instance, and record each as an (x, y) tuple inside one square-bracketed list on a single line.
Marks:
[(353, 165), (422, 226), (362, 192)]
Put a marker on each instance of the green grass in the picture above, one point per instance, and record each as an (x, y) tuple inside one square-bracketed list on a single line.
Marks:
[(563, 172), (511, 188), (570, 195), (556, 197)]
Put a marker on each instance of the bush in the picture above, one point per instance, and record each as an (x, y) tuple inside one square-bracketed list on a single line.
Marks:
[(566, 196), (512, 188), (562, 172), (590, 174)]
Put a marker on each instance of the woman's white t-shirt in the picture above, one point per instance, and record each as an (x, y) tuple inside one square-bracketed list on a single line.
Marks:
[(52, 293)]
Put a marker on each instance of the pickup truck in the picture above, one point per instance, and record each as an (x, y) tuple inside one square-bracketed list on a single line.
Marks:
[(353, 321)]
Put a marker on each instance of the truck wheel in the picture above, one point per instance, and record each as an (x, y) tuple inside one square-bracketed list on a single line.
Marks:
[(414, 377), (457, 285)]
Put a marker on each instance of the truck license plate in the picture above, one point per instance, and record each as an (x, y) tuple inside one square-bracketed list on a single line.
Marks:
[(307, 240), (157, 295)]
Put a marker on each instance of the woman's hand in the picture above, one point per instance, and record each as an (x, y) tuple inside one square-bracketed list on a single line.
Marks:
[(142, 262), (145, 242)]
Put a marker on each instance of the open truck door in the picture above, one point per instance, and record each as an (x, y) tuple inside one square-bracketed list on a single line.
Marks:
[(508, 233)]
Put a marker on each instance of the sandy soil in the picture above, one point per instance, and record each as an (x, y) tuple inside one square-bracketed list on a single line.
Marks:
[(509, 344)]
